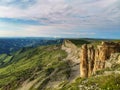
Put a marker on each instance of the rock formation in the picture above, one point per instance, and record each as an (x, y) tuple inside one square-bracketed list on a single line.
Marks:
[(93, 58), (72, 51), (84, 61), (73, 56)]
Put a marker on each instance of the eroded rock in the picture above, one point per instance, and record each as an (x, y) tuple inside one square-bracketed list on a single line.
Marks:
[(94, 58)]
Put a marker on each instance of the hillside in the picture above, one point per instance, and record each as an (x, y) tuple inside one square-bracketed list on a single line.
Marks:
[(56, 67), (8, 45), (38, 63)]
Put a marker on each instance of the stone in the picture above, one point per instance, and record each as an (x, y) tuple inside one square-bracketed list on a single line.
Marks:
[(84, 61), (93, 59)]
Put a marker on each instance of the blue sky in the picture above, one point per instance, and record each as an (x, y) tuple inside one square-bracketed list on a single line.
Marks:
[(60, 18)]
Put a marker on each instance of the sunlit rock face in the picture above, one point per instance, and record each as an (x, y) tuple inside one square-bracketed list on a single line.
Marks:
[(91, 58), (84, 61), (94, 58), (87, 57)]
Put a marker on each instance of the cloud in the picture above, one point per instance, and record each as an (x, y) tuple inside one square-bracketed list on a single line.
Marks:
[(58, 17), (78, 12), (43, 31), (17, 3)]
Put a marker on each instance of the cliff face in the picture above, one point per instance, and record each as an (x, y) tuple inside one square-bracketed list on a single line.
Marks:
[(84, 61), (72, 56), (93, 59), (72, 51)]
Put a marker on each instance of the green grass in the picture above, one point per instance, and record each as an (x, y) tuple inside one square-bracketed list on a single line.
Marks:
[(108, 82), (79, 42), (24, 64), (4, 58), (94, 42)]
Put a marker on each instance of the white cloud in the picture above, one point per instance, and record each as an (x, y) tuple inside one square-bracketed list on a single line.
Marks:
[(78, 12), (43, 31)]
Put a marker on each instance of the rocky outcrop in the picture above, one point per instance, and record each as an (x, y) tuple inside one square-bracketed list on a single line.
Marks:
[(87, 60), (73, 56), (93, 58), (84, 61), (114, 60), (72, 51)]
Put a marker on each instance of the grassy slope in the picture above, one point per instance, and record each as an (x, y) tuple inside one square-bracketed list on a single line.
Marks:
[(26, 63), (94, 42), (107, 82)]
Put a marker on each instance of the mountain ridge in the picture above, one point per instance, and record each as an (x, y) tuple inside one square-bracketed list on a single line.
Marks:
[(9, 45), (55, 67)]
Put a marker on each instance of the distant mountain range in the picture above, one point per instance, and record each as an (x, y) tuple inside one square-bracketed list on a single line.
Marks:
[(8, 45)]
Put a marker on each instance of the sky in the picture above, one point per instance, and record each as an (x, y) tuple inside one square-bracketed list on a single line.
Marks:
[(60, 18)]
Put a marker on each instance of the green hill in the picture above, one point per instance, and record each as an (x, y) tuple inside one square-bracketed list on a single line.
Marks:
[(46, 68), (32, 64)]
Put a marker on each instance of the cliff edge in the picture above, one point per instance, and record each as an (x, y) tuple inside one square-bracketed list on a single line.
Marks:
[(94, 58)]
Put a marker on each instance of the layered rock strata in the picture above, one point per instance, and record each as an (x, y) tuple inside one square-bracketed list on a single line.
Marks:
[(93, 58), (72, 51)]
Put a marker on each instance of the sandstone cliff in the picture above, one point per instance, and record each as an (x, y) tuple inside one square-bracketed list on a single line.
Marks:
[(94, 58), (91, 58), (84, 61)]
